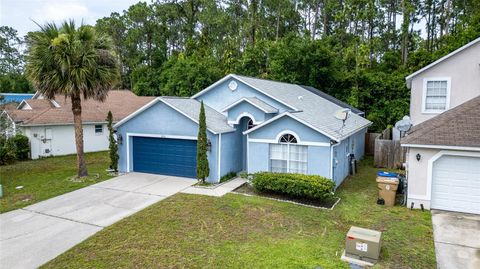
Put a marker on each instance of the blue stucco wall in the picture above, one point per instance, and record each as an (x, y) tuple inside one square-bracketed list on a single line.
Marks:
[(232, 155), (340, 161), (221, 96), (354, 144), (318, 156), (258, 157), (359, 139), (258, 115), (160, 119)]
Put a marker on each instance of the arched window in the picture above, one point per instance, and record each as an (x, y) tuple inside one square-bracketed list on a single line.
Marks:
[(286, 156), (250, 124), (288, 138)]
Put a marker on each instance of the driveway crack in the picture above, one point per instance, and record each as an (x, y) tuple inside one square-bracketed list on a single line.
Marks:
[(58, 217)]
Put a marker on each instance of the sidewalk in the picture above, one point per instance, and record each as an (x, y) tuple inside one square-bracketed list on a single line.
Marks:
[(217, 191)]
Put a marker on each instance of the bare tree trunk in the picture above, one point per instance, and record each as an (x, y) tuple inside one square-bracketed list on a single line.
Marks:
[(315, 20), (77, 120)]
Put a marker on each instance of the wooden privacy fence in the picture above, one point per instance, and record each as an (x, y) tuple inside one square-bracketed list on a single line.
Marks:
[(388, 152), (370, 143)]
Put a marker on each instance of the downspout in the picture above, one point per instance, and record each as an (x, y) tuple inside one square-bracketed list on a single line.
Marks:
[(219, 155), (332, 145)]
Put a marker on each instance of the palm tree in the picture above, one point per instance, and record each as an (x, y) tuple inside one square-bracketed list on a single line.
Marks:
[(74, 62)]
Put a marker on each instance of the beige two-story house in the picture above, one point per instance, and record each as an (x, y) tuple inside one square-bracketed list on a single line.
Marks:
[(443, 146)]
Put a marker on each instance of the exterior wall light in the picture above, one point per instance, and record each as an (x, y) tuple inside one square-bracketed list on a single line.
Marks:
[(118, 137), (418, 156), (209, 145)]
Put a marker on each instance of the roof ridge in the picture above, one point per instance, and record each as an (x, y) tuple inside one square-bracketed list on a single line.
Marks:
[(38, 115), (269, 80), (176, 97)]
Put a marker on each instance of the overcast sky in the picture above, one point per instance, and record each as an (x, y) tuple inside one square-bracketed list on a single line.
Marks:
[(20, 13)]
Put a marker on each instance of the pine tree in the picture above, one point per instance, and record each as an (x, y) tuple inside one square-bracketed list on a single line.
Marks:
[(112, 143), (202, 162)]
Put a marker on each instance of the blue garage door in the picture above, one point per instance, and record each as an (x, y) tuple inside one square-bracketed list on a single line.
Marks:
[(175, 157)]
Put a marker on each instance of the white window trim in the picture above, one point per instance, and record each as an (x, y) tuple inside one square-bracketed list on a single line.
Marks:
[(244, 114), (290, 132), (95, 129), (288, 158), (277, 142), (424, 94)]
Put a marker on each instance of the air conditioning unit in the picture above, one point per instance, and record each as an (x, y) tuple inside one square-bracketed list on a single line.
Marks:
[(363, 244)]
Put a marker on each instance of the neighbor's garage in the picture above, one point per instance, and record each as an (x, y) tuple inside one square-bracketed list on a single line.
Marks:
[(175, 157), (456, 184)]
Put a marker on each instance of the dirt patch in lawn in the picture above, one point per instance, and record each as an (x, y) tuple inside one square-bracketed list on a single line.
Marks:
[(249, 190)]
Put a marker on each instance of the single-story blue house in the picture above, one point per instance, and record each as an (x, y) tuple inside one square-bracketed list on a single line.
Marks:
[(252, 125)]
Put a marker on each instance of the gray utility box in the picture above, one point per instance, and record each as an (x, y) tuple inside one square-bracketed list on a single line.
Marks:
[(363, 243)]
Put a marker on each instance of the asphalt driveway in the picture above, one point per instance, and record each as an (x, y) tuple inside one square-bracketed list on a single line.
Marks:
[(457, 239), (38, 233)]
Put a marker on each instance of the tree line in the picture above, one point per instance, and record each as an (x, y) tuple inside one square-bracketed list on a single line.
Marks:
[(356, 50)]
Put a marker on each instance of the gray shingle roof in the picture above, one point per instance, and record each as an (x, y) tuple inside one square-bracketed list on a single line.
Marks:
[(216, 121), (256, 102), (334, 100), (310, 107), (458, 126), (264, 106)]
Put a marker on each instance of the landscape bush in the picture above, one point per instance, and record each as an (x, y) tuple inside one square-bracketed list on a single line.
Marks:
[(228, 176), (15, 148), (294, 185)]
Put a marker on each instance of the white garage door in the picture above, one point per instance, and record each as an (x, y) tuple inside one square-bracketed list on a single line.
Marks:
[(456, 184)]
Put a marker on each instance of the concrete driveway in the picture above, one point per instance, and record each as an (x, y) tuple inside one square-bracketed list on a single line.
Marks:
[(457, 239), (38, 233)]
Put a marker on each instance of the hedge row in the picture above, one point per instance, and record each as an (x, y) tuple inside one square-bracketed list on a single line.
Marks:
[(294, 185), (15, 148)]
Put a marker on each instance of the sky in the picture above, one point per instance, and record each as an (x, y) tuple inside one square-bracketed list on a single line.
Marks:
[(21, 14)]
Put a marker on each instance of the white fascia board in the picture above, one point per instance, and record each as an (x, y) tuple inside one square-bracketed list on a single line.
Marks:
[(441, 147), (301, 143), (409, 77), (24, 103), (183, 137), (212, 86), (265, 123), (148, 105), (248, 101), (62, 124), (183, 113), (293, 117)]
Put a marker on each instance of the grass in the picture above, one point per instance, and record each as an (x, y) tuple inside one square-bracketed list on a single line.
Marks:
[(48, 177), (227, 177), (234, 231)]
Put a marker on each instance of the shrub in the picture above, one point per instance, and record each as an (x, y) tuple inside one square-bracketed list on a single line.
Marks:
[(228, 176), (22, 147), (294, 185), (7, 151), (14, 148)]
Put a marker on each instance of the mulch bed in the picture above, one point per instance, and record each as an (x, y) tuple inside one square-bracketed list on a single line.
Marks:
[(249, 190)]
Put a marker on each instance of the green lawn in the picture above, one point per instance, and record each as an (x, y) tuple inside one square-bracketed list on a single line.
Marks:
[(234, 231), (45, 178)]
